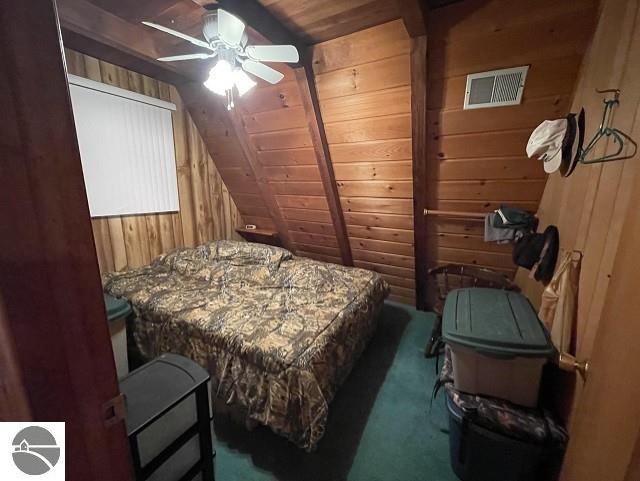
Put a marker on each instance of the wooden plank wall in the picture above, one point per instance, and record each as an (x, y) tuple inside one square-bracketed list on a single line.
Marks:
[(590, 207), (476, 158), (223, 145), (275, 121), (363, 82), (207, 211)]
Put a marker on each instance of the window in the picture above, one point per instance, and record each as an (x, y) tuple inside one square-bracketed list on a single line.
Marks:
[(126, 147)]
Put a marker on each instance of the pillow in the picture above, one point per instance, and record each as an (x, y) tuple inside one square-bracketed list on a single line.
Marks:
[(249, 253), (186, 260)]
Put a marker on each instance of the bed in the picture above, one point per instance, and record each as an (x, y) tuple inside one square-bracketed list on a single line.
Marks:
[(278, 333)]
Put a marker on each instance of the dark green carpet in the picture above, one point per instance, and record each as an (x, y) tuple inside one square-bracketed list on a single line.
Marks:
[(379, 424)]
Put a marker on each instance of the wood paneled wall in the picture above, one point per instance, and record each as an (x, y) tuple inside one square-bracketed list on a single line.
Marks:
[(476, 158), (274, 119), (589, 207), (222, 143), (207, 211), (363, 83), (596, 213)]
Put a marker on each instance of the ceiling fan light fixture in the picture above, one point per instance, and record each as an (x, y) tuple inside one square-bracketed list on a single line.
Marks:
[(220, 78), (243, 82), (226, 38)]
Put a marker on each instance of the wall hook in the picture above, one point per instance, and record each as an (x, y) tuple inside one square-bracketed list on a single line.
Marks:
[(605, 130)]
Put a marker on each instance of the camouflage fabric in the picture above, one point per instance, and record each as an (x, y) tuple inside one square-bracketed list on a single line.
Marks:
[(526, 424), (278, 333)]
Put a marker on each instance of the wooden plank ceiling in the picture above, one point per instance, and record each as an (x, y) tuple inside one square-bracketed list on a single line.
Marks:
[(316, 21), (272, 161)]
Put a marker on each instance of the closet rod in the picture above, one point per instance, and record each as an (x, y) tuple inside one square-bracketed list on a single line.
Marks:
[(453, 213)]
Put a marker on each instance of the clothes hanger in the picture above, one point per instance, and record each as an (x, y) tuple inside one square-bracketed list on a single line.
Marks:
[(605, 130)]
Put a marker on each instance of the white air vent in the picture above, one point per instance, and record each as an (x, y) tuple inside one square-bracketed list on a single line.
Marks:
[(496, 88)]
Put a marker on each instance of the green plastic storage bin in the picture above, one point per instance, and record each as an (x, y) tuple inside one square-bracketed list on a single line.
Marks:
[(499, 346)]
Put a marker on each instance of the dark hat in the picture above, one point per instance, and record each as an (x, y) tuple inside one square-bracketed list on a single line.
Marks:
[(543, 272), (538, 253), (567, 167)]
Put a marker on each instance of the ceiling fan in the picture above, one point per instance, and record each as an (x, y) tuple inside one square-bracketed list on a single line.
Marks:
[(226, 39)]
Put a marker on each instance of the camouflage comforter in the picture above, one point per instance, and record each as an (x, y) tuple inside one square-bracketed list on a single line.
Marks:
[(278, 333)]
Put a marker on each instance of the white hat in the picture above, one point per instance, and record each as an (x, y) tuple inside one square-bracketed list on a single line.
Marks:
[(546, 143)]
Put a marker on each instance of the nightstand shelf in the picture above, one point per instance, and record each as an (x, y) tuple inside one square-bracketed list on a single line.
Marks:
[(262, 236)]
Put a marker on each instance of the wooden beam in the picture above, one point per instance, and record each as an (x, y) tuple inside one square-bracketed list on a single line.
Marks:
[(50, 291), (414, 16), (419, 164), (260, 19), (93, 31), (309, 97), (113, 55)]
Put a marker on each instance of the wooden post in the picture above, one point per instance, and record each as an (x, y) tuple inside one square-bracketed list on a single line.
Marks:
[(309, 96), (419, 155), (414, 15)]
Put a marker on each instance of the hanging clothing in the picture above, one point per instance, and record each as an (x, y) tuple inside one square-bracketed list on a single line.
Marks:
[(508, 224), (559, 306), (497, 234), (515, 218)]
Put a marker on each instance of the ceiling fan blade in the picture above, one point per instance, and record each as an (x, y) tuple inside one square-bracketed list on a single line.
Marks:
[(175, 33), (230, 27), (190, 56), (273, 53), (263, 71)]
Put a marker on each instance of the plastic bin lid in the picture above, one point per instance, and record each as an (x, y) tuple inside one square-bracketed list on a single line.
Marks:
[(116, 308), (494, 322)]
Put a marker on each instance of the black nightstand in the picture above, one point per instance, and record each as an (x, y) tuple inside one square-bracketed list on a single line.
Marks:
[(168, 420)]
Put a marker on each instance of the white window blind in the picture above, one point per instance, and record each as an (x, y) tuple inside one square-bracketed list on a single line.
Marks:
[(126, 147)]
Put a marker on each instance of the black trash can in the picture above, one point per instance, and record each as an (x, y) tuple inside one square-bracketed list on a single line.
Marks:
[(481, 454)]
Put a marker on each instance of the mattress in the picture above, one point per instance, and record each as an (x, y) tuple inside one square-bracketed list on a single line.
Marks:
[(278, 333)]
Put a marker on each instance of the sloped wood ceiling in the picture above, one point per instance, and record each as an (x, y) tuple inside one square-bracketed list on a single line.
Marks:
[(363, 83), (280, 135), (316, 21), (268, 155)]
